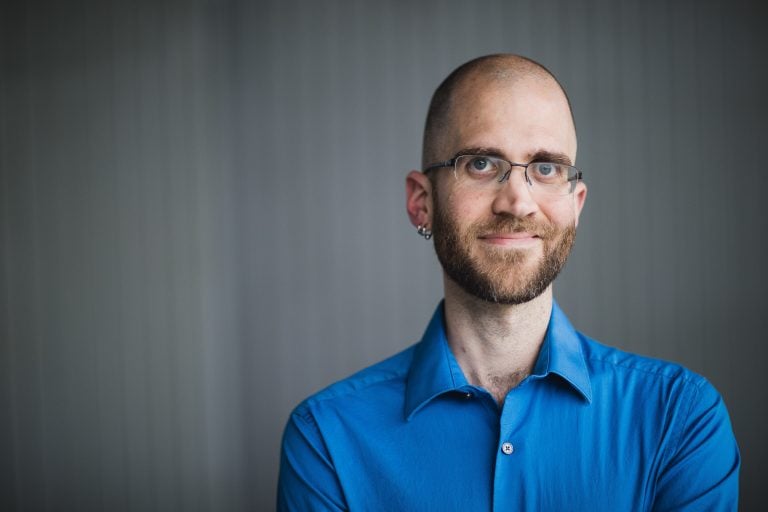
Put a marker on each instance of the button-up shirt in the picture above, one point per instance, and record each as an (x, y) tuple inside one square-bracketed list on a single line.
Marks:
[(592, 428)]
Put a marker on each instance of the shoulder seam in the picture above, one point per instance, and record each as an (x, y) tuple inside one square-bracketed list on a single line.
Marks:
[(388, 369), (682, 372), (353, 386), (679, 432), (305, 414)]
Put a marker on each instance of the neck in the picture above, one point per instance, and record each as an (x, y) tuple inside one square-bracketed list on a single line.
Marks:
[(496, 345)]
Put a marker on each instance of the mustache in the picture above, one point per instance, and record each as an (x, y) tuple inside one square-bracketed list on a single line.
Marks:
[(543, 230)]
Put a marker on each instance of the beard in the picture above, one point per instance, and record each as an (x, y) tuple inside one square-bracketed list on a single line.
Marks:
[(495, 274)]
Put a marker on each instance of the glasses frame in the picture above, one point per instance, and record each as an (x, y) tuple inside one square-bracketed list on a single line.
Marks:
[(579, 176)]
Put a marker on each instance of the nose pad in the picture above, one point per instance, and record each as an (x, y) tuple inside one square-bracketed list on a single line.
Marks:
[(513, 197), (507, 174)]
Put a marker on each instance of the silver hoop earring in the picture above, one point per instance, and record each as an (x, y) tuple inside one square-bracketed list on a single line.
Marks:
[(424, 231)]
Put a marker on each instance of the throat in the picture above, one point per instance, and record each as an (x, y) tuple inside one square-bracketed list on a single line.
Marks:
[(500, 385)]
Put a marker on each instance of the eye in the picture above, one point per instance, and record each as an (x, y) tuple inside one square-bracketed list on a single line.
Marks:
[(480, 166), (545, 169), (547, 172)]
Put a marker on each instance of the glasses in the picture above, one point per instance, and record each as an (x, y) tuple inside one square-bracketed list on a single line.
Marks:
[(487, 172)]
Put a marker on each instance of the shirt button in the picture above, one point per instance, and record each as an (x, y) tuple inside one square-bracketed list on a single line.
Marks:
[(507, 448)]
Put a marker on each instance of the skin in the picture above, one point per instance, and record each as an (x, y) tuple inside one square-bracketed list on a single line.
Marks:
[(496, 345)]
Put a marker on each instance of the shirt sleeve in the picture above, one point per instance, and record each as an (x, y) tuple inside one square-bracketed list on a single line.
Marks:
[(308, 480), (702, 472)]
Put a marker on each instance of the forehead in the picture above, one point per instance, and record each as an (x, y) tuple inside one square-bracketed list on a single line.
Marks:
[(520, 117)]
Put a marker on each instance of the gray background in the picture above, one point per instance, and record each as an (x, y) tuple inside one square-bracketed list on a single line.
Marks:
[(202, 219)]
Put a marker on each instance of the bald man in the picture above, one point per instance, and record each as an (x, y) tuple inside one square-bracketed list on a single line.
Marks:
[(503, 405)]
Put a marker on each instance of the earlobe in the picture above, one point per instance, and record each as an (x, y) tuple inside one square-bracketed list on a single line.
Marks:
[(418, 198)]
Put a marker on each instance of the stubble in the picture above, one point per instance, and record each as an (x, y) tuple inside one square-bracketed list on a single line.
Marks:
[(495, 274)]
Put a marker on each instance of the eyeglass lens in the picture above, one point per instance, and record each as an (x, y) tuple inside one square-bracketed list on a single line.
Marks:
[(482, 171)]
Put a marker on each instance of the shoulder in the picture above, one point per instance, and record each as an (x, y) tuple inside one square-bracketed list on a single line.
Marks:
[(609, 362), (696, 460), (659, 394), (376, 381), (679, 406)]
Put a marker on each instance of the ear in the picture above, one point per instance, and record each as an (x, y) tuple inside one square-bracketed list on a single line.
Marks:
[(579, 197), (418, 198)]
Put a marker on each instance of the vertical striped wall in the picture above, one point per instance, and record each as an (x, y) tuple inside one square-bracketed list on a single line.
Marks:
[(202, 219)]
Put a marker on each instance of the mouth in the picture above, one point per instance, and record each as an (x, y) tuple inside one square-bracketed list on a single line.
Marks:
[(519, 239)]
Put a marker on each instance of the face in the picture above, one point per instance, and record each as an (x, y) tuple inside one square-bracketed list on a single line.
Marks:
[(502, 244)]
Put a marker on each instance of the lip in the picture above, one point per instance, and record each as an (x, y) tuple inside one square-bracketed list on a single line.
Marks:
[(511, 239)]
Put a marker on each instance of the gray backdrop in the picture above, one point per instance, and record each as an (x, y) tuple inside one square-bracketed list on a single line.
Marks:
[(202, 219)]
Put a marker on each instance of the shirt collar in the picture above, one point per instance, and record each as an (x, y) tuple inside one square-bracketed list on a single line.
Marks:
[(561, 354), (434, 369)]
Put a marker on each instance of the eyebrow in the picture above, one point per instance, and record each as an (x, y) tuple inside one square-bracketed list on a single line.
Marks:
[(540, 155), (555, 157)]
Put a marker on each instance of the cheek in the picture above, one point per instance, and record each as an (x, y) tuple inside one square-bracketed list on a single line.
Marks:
[(560, 213), (468, 207)]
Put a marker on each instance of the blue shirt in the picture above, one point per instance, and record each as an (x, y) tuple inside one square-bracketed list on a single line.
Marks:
[(592, 428)]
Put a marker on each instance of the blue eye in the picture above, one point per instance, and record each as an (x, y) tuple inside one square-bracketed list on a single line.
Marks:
[(480, 165), (547, 172), (546, 169)]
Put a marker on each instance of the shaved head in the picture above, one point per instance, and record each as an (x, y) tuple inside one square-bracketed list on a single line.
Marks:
[(472, 78)]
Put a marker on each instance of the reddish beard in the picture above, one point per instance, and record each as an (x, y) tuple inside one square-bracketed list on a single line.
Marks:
[(484, 271)]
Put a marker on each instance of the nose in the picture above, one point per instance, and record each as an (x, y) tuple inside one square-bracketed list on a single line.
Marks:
[(513, 196)]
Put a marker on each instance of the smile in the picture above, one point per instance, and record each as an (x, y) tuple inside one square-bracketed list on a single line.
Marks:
[(516, 240)]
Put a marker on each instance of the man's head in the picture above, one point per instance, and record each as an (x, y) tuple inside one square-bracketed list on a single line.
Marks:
[(504, 241)]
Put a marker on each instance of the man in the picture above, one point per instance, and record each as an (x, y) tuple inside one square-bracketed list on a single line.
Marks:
[(502, 405)]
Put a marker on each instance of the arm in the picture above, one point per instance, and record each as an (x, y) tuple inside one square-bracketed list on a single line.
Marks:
[(308, 480), (702, 470)]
